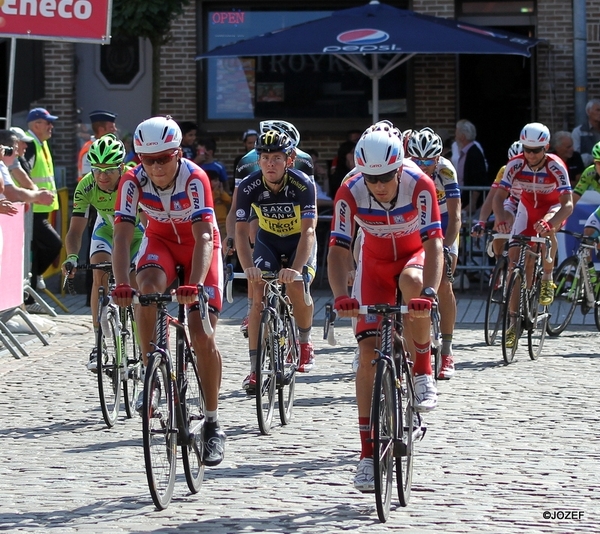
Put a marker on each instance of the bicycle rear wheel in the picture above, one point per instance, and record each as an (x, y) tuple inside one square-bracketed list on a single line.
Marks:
[(265, 373), (538, 319), (109, 378), (495, 301), (409, 425), (383, 430), (159, 432), (596, 307), (193, 409), (289, 359), (132, 356), (512, 320), (566, 296)]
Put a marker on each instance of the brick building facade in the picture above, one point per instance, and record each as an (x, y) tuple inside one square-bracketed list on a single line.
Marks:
[(434, 81)]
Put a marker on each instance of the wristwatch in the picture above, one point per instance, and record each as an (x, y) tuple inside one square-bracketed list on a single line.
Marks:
[(429, 292)]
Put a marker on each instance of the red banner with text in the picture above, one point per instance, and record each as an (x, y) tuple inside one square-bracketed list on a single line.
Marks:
[(68, 20)]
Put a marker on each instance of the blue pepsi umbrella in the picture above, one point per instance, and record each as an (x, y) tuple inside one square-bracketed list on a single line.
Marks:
[(356, 33)]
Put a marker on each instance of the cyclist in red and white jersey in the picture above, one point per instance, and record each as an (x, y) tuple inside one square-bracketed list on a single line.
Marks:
[(425, 148), (176, 196), (395, 205), (546, 199)]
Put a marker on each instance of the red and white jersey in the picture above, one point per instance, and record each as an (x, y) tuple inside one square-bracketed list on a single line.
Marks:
[(171, 213), (539, 188), (392, 230)]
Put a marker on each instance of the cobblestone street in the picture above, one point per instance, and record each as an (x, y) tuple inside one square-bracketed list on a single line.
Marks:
[(507, 445)]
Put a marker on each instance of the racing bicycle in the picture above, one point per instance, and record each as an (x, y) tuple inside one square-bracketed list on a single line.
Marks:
[(118, 353), (576, 285), (173, 411), (278, 350)]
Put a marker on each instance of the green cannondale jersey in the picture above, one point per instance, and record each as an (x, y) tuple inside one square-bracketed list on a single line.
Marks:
[(87, 193), (249, 163), (589, 181)]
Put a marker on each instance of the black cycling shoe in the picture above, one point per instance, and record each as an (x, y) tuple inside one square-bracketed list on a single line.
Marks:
[(214, 444)]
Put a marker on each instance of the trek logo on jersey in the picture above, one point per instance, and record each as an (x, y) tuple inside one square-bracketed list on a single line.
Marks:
[(362, 40)]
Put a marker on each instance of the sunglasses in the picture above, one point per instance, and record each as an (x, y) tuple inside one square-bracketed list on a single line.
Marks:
[(424, 162), (383, 178), (159, 160), (111, 172), (533, 150)]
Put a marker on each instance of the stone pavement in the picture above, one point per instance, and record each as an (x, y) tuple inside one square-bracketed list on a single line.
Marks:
[(506, 445)]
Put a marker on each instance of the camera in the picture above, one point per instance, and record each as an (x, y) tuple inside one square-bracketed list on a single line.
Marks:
[(8, 150)]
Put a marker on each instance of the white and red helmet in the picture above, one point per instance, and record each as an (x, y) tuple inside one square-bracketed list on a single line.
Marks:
[(379, 150), (535, 135), (157, 134)]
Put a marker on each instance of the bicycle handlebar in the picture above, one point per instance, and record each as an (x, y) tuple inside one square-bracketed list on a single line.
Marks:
[(268, 276), (156, 298)]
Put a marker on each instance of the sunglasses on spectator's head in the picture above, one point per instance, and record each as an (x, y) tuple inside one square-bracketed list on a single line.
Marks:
[(533, 150), (383, 178), (159, 160)]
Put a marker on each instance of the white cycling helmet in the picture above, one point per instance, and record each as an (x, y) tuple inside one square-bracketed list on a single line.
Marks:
[(283, 127), (515, 149), (535, 135), (379, 150), (157, 135), (425, 144)]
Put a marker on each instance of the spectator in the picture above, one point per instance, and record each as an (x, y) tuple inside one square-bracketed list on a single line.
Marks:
[(205, 157), (585, 136), (324, 201), (14, 193), (19, 169), (103, 122), (45, 243), (129, 151), (221, 200), (189, 130), (343, 162), (249, 138), (562, 146), (471, 166)]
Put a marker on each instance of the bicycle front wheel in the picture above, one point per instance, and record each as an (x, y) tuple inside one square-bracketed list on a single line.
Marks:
[(159, 432), (566, 296), (132, 358), (193, 410), (265, 373), (596, 307), (409, 428), (495, 301), (538, 319), (383, 430), (289, 360), (109, 378), (512, 323)]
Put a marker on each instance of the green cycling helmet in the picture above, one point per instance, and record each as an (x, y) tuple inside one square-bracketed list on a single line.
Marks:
[(596, 152), (107, 150)]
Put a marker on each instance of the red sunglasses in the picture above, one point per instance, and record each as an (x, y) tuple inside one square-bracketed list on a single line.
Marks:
[(159, 160)]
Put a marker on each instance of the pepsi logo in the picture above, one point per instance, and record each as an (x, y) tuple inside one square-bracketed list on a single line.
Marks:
[(362, 37)]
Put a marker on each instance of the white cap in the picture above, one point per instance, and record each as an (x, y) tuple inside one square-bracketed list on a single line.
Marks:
[(21, 135)]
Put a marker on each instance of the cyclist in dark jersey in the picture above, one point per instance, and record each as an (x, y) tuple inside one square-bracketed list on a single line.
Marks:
[(284, 201)]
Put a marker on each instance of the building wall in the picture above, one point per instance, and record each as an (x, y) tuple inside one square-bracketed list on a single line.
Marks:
[(60, 101)]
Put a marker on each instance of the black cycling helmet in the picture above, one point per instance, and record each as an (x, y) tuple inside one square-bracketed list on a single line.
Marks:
[(273, 141)]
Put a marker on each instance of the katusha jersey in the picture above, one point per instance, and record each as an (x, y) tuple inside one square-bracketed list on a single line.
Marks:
[(394, 230), (249, 164), (278, 213), (539, 188), (446, 183), (172, 212)]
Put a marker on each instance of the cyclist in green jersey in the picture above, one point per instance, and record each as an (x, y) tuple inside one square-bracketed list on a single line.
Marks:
[(98, 188), (590, 178)]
